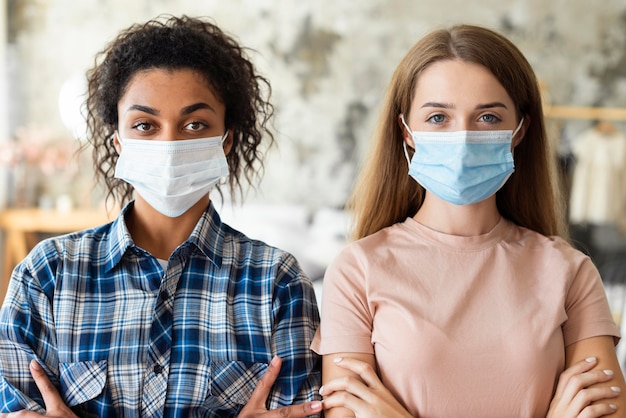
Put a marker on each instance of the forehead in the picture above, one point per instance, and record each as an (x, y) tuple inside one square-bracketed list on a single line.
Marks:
[(167, 86), (458, 82)]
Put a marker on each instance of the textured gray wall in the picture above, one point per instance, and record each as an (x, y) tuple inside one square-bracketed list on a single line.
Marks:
[(329, 62)]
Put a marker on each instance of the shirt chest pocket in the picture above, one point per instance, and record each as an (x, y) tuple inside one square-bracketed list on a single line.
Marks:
[(82, 381), (232, 382)]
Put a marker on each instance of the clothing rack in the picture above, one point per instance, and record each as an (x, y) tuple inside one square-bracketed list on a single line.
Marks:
[(616, 287)]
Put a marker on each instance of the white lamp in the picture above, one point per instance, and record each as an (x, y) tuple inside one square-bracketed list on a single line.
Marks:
[(71, 99)]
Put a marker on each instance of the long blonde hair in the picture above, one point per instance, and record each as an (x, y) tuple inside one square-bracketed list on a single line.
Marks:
[(385, 194)]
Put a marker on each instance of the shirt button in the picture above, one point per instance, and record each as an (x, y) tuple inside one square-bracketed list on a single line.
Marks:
[(157, 369)]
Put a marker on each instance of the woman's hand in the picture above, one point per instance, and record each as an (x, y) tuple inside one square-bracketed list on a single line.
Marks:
[(574, 395), (255, 408), (53, 402), (366, 397)]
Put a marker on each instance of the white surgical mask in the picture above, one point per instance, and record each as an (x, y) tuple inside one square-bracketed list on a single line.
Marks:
[(172, 176), (462, 167)]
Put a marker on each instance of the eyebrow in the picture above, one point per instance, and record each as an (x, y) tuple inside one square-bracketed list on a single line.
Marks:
[(145, 109), (451, 106), (436, 104), (185, 111), (196, 106), (491, 105)]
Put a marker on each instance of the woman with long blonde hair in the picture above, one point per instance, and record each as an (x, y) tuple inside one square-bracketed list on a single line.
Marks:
[(461, 295)]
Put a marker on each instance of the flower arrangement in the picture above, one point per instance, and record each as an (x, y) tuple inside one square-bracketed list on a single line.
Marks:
[(40, 164)]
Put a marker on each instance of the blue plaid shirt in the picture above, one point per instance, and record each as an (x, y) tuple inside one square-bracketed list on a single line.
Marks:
[(120, 336)]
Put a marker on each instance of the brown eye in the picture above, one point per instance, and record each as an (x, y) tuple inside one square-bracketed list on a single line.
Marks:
[(196, 126), (142, 126)]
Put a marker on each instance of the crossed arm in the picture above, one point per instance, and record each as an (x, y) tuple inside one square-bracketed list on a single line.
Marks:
[(56, 408), (591, 386), (352, 388)]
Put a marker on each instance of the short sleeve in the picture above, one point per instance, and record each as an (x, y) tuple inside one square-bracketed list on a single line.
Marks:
[(346, 323), (587, 307)]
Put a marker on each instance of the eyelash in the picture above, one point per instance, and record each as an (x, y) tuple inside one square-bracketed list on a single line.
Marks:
[(495, 119), (202, 125), (491, 115), (431, 119), (145, 126)]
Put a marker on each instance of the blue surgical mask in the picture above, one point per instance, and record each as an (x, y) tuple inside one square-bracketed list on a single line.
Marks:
[(462, 167)]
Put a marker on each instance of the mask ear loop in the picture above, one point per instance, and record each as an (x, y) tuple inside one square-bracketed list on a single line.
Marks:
[(521, 122), (406, 153), (224, 180)]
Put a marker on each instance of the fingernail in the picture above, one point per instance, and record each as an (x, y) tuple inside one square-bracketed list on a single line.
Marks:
[(337, 359), (274, 361), (590, 359), (608, 372), (321, 391), (35, 365), (316, 405), (616, 389), (613, 406)]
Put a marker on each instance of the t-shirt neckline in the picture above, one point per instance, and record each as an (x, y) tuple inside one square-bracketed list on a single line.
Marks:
[(459, 242)]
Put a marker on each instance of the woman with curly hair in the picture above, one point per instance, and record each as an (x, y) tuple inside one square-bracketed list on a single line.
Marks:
[(166, 311)]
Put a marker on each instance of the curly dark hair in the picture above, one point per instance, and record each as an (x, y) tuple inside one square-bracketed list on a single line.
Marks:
[(173, 43)]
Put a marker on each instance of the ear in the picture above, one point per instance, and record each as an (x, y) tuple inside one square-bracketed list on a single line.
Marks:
[(116, 143), (406, 134), (519, 136), (228, 142)]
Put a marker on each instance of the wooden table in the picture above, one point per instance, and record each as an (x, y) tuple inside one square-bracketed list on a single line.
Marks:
[(21, 227)]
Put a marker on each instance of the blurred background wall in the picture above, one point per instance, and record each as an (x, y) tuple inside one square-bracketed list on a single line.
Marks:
[(329, 62)]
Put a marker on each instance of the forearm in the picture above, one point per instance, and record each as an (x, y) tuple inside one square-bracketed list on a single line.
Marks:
[(25, 334), (12, 400), (296, 321), (603, 349)]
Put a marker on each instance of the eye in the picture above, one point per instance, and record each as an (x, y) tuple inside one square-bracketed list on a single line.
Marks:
[(142, 126), (195, 126), (437, 118), (489, 118)]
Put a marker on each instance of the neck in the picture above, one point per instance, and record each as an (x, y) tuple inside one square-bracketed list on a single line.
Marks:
[(158, 234), (467, 220)]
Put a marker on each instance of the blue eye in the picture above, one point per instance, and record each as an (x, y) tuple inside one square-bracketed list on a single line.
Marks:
[(438, 118), (489, 118)]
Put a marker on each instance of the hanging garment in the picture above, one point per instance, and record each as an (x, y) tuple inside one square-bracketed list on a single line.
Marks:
[(598, 191)]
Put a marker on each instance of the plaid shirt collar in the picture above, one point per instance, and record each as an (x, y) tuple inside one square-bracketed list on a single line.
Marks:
[(207, 236)]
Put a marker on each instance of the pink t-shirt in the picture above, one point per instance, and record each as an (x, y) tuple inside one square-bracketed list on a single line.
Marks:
[(463, 326)]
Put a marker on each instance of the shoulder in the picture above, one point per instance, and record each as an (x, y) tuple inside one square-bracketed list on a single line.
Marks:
[(383, 241), (85, 243), (378, 252), (262, 260), (553, 245), (395, 234), (549, 254), (68, 253), (251, 250)]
